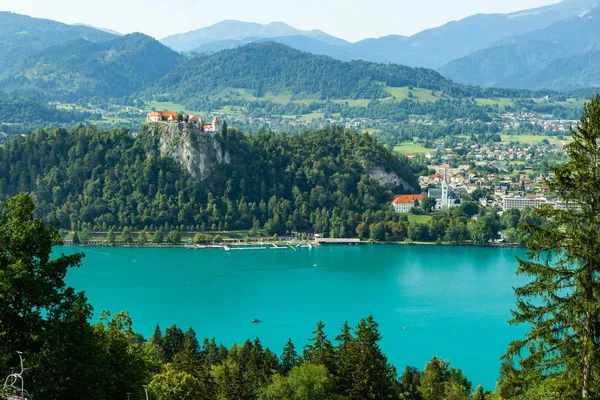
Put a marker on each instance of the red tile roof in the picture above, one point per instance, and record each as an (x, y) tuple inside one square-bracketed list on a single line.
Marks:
[(407, 198)]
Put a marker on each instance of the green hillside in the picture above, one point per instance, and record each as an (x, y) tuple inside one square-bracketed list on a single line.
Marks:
[(317, 180), (22, 36), (83, 69), (275, 68), (21, 115)]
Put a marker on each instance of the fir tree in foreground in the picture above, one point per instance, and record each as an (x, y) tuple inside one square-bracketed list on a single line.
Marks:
[(560, 302)]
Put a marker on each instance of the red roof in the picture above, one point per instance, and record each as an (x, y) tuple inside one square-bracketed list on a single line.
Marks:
[(407, 198)]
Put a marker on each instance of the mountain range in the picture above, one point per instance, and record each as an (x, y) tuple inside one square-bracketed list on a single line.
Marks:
[(562, 56), (552, 47), (432, 48)]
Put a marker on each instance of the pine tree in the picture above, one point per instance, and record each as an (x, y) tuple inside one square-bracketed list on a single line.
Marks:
[(409, 383), (156, 345), (320, 350), (373, 377), (479, 394), (289, 357), (188, 359), (560, 302), (433, 380), (173, 342), (346, 353)]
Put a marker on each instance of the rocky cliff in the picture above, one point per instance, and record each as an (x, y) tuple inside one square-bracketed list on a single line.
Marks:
[(388, 180), (196, 151)]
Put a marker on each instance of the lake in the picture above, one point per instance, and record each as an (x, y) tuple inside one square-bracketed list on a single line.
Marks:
[(453, 300)]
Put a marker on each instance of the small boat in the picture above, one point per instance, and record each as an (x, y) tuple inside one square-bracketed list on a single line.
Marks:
[(255, 320)]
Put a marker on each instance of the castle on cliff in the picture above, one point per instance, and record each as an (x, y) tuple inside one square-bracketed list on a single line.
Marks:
[(171, 117)]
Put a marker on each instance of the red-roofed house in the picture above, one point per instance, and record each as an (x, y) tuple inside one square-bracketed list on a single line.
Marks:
[(404, 202)]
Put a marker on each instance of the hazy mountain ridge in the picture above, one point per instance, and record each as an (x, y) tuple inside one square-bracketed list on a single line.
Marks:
[(80, 69), (22, 36), (431, 48), (238, 30), (514, 61)]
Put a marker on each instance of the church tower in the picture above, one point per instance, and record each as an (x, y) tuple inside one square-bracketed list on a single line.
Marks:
[(444, 193)]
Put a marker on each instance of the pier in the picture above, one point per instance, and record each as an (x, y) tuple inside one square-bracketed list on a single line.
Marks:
[(337, 241)]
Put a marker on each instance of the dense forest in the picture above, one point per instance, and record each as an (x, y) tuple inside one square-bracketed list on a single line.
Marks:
[(276, 68), (316, 181)]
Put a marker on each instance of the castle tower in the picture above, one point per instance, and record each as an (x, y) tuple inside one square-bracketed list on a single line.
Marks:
[(216, 125)]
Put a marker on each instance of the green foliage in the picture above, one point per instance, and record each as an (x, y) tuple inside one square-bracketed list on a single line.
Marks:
[(110, 237), (174, 237), (304, 382), (428, 204), (560, 301), (439, 381), (483, 230), (171, 383)]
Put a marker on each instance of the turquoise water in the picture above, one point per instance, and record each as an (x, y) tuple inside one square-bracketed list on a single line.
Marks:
[(453, 301)]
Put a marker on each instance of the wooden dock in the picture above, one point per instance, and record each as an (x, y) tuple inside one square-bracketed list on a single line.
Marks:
[(337, 241)]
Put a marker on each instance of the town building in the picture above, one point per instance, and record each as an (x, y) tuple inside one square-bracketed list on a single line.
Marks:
[(403, 203), (520, 202)]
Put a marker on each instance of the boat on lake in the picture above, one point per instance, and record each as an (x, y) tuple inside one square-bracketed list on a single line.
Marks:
[(255, 320)]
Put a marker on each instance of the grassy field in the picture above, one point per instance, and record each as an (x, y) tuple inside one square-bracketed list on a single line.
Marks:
[(401, 93), (422, 219), (498, 101), (411, 148), (353, 102), (313, 115), (534, 139)]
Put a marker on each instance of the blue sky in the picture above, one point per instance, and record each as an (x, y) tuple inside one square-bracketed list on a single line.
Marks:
[(349, 19)]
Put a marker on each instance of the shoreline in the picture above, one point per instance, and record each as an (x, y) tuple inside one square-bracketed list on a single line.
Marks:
[(284, 245)]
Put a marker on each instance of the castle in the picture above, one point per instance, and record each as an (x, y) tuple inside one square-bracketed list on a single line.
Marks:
[(171, 117)]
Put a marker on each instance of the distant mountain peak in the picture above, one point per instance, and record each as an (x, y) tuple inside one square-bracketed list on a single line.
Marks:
[(240, 30), (98, 28)]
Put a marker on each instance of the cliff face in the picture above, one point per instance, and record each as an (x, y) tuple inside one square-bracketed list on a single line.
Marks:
[(196, 151), (389, 180)]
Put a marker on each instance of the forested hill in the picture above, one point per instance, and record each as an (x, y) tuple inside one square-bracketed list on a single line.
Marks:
[(22, 36), (314, 181), (84, 69), (278, 69), (19, 114)]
